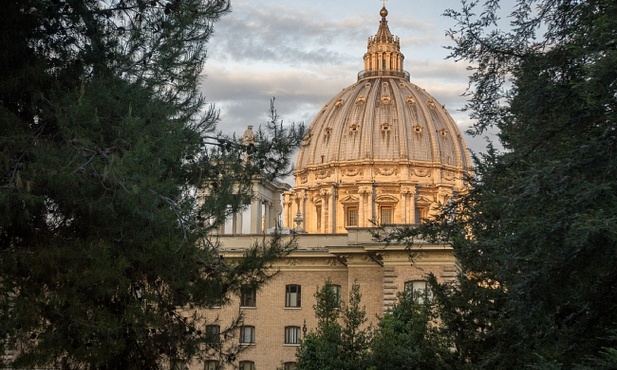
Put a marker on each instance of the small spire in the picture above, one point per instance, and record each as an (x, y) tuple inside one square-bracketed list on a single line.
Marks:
[(383, 33)]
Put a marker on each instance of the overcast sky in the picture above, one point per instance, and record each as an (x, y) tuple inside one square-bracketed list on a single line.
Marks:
[(303, 52)]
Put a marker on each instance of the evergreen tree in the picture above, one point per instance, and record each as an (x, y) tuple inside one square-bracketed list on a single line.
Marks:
[(336, 346), (410, 336), (112, 177), (536, 235)]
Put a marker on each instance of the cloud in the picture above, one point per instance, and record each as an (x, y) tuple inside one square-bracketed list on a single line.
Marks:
[(303, 55)]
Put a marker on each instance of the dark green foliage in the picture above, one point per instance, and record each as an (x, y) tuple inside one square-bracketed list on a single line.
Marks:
[(536, 235), (333, 345), (410, 336), (108, 189)]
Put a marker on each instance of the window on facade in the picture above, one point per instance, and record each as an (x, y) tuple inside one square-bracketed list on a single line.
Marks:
[(420, 290), (386, 215), (293, 296), (292, 335), (177, 365), (213, 334), (289, 366), (351, 216), (246, 365), (318, 209), (420, 214), (217, 304), (248, 296), (211, 365), (336, 289), (247, 335)]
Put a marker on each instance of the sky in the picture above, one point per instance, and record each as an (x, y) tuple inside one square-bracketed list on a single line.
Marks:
[(303, 52)]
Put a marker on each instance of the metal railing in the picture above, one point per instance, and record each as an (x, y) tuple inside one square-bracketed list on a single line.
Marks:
[(383, 73)]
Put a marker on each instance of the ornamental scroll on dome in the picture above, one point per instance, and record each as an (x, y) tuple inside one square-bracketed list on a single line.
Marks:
[(351, 171), (323, 174), (386, 171), (420, 172)]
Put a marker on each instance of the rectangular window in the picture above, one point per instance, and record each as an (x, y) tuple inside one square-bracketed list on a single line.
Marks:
[(318, 209), (419, 215), (336, 289), (386, 215), (213, 334), (289, 366), (420, 290), (292, 335), (211, 365), (293, 296), (248, 296), (352, 216), (247, 335), (247, 365), (177, 365)]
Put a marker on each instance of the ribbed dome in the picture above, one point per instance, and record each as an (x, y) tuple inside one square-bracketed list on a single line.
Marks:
[(382, 150), (382, 118)]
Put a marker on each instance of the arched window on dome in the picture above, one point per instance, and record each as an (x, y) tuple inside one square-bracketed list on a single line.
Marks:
[(318, 214), (386, 214), (351, 215), (421, 214), (423, 206), (351, 210), (386, 205)]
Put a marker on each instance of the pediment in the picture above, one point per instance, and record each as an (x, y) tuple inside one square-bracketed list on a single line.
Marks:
[(386, 199), (350, 199)]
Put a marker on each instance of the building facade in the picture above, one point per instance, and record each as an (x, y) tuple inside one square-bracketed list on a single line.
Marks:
[(383, 152)]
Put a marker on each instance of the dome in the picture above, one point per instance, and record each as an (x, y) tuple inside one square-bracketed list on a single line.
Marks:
[(382, 150), (382, 119)]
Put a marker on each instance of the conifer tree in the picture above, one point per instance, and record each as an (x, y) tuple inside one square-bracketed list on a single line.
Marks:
[(536, 235), (410, 336), (112, 178), (335, 345)]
